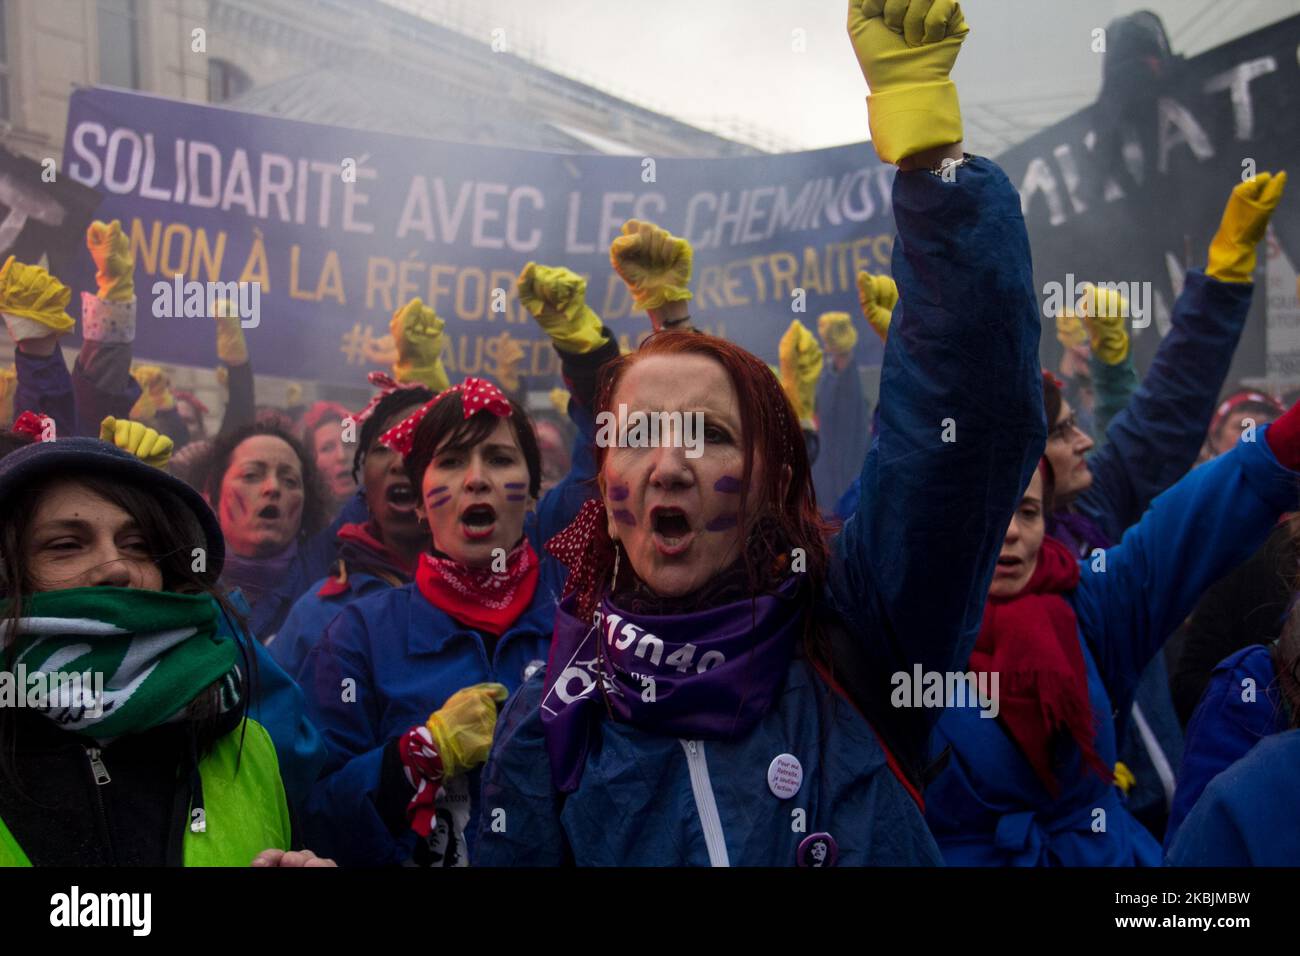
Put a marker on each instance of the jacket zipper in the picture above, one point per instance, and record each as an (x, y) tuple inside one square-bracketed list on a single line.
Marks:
[(99, 771), (705, 804)]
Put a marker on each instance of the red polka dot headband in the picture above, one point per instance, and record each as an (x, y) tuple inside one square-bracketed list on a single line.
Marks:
[(477, 394), (29, 424), (386, 385)]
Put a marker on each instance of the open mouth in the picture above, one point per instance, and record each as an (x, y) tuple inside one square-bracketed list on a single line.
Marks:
[(478, 521), (269, 513), (400, 497), (672, 530), (1008, 564)]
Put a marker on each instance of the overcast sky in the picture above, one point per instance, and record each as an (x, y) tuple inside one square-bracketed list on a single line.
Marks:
[(715, 62)]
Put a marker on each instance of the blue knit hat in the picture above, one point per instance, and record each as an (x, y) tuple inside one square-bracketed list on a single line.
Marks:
[(64, 457)]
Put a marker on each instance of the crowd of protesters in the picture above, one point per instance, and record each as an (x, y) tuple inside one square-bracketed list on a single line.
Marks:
[(444, 630)]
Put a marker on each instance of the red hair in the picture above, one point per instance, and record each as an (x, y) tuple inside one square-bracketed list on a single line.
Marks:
[(770, 432)]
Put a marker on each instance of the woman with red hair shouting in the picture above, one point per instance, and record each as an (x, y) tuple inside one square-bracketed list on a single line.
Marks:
[(719, 681)]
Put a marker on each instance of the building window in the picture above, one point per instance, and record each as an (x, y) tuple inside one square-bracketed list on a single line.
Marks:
[(225, 81), (119, 44), (4, 63)]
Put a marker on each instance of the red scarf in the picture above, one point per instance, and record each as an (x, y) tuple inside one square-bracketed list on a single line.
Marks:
[(1031, 640), (480, 597), (361, 550)]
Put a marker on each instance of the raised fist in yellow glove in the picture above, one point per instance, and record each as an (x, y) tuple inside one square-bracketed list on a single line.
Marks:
[(505, 354), (837, 332), (557, 298), (655, 264), (114, 265), (1245, 218), (33, 302), (559, 400), (1104, 312), (145, 443), (801, 365), (155, 393), (877, 295), (1069, 330), (462, 728), (417, 332), (906, 49), (232, 347)]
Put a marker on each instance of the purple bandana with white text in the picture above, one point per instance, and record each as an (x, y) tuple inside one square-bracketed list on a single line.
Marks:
[(710, 674)]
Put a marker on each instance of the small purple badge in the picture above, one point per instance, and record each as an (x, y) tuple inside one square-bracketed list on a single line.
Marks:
[(818, 849)]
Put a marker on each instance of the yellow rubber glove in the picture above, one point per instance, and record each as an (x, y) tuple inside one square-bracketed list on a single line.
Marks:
[(906, 49), (801, 365), (560, 400), (1103, 312), (462, 728), (877, 295), (837, 332), (34, 303), (504, 354), (417, 330), (1069, 330), (1245, 218), (655, 264), (145, 443), (232, 348), (155, 393), (8, 386), (556, 298), (114, 265)]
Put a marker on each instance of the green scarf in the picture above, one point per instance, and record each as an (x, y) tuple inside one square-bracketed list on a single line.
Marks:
[(156, 652)]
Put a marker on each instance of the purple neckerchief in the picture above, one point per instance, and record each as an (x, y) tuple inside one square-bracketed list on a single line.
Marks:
[(1077, 532), (710, 674), (257, 577)]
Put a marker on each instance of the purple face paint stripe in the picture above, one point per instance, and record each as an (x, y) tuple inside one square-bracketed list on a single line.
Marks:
[(722, 523), (441, 501), (727, 485), (514, 485), (437, 491), (515, 497), (625, 517), (618, 493)]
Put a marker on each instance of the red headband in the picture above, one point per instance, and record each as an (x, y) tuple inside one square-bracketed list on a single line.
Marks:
[(478, 394), (1245, 397), (29, 424), (386, 385)]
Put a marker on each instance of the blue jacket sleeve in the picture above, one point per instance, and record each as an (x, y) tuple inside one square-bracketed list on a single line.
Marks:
[(1193, 534), (561, 504), (1246, 817), (241, 408), (844, 427), (1225, 726), (342, 814), (44, 386), (279, 706), (103, 384), (1153, 442), (1114, 386), (961, 427)]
